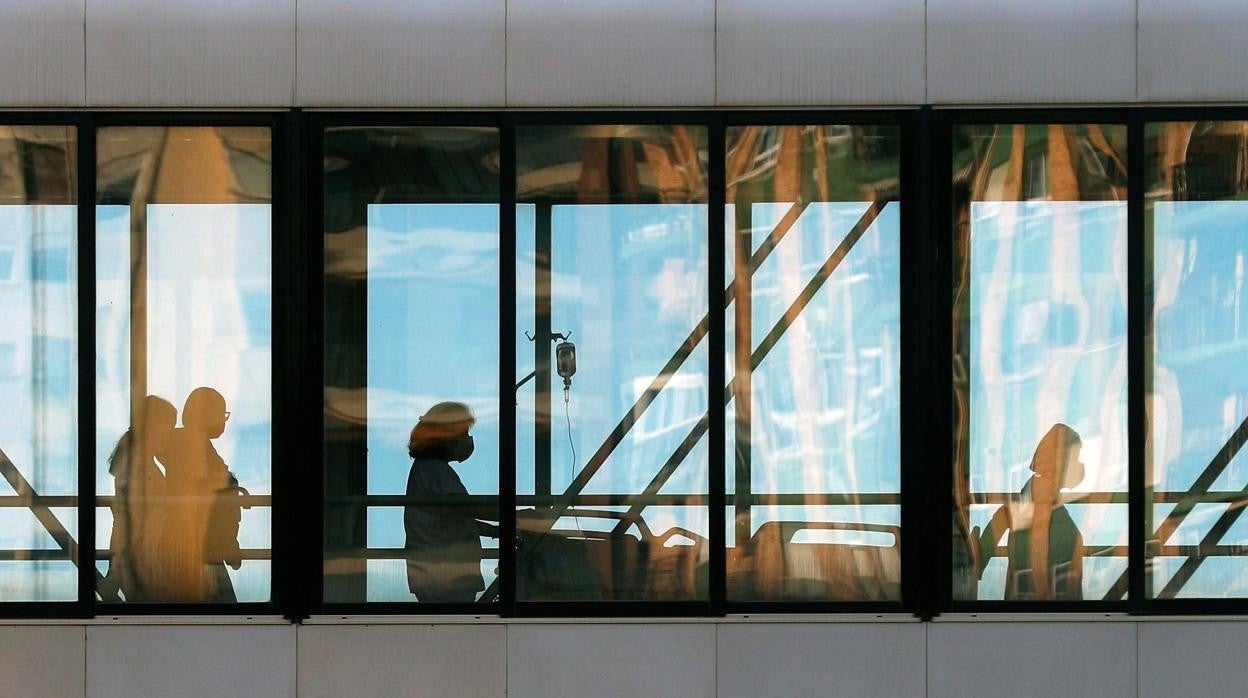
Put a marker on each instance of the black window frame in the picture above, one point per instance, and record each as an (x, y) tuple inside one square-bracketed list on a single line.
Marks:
[(285, 306), (85, 242), (944, 230), (1140, 295), (315, 124), (1138, 300), (913, 125), (927, 427)]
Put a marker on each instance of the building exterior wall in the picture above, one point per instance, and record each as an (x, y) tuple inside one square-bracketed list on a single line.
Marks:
[(1107, 658), (563, 53)]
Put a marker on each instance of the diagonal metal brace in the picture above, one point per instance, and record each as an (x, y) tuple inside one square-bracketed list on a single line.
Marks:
[(768, 343), (1195, 495), (48, 520)]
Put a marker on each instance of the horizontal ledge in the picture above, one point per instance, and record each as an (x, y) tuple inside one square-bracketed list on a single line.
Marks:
[(347, 619), (1090, 617), (118, 620), (735, 619)]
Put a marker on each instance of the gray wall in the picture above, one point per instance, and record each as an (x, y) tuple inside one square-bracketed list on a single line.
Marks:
[(578, 53), (1107, 658), (622, 53)]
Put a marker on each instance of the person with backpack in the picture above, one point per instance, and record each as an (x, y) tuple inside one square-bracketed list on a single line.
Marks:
[(200, 535), (1045, 547)]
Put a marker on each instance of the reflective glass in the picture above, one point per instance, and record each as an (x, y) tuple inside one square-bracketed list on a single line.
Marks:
[(411, 364), (611, 349), (814, 361), (183, 363), (38, 363), (1196, 223), (1040, 362)]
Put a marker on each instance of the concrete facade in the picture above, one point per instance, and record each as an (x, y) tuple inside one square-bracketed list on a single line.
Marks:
[(893, 658), (634, 53), (439, 54)]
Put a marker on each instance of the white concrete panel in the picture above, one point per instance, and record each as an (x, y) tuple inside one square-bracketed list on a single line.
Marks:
[(1023, 51), (1204, 658), (190, 661), (1193, 50), (224, 53), (619, 53), (41, 49), (42, 661), (820, 52), (434, 661), (827, 659), (609, 661), (397, 53), (1031, 659)]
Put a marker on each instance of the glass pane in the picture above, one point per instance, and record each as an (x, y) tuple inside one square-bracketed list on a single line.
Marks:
[(814, 462), (612, 404), (1040, 362), (411, 364), (38, 363), (1197, 232), (183, 358)]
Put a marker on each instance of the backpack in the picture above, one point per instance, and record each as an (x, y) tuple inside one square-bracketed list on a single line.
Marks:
[(224, 516)]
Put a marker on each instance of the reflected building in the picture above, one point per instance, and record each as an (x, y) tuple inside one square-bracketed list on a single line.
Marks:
[(1197, 175), (411, 287), (38, 363), (814, 317), (1039, 334), (611, 251)]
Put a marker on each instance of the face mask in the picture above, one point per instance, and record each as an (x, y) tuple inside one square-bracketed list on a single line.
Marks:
[(462, 449)]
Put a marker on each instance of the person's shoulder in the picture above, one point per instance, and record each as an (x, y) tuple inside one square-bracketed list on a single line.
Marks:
[(435, 470), (117, 459), (429, 468)]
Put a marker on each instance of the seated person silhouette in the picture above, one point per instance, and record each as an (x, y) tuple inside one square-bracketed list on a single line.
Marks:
[(443, 543), (200, 534), (1045, 547), (138, 492)]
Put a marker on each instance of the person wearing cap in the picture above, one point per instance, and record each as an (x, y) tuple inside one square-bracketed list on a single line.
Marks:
[(443, 544)]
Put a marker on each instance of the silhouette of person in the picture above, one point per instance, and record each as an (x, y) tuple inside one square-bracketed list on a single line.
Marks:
[(139, 488), (1045, 547), (200, 535), (443, 540)]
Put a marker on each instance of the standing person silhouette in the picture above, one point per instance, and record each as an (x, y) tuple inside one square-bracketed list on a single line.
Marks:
[(443, 542), (201, 527), (138, 494), (1045, 547)]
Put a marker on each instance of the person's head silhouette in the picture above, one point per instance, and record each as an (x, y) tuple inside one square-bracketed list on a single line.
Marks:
[(205, 412), (442, 433), (159, 420), (1056, 460)]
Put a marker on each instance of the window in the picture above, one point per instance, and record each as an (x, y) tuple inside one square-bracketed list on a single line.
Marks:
[(814, 283), (183, 364), (1196, 227), (612, 406), (411, 364), (601, 364), (1040, 362), (38, 364)]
